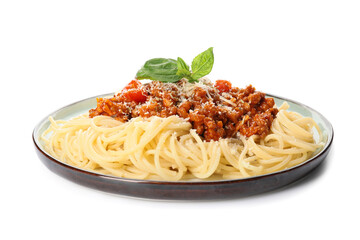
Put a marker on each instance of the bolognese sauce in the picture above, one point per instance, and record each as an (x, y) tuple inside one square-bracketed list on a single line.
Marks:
[(214, 110)]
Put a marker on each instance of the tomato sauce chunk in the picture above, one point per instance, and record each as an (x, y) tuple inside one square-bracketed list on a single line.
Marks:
[(136, 95), (222, 85)]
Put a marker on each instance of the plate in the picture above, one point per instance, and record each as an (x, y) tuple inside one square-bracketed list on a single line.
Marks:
[(181, 190)]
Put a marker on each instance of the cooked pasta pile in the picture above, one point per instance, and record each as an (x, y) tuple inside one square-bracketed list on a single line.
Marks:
[(170, 149)]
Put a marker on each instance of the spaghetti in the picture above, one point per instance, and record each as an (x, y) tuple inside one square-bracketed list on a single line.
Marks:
[(169, 148)]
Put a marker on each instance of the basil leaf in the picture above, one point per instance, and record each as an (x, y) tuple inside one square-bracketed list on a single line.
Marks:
[(202, 64), (183, 69), (182, 66), (170, 70), (141, 74), (183, 73), (166, 77), (161, 69)]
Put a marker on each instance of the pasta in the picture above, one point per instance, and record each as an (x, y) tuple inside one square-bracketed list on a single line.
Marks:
[(168, 148)]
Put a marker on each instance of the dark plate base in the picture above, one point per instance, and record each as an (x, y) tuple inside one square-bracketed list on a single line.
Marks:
[(205, 190)]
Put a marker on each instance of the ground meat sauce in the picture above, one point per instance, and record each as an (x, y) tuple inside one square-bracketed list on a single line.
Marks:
[(215, 111)]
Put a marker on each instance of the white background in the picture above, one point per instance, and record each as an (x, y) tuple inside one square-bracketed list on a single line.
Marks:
[(53, 53)]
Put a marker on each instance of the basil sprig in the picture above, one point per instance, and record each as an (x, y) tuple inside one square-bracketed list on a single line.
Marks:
[(170, 70)]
